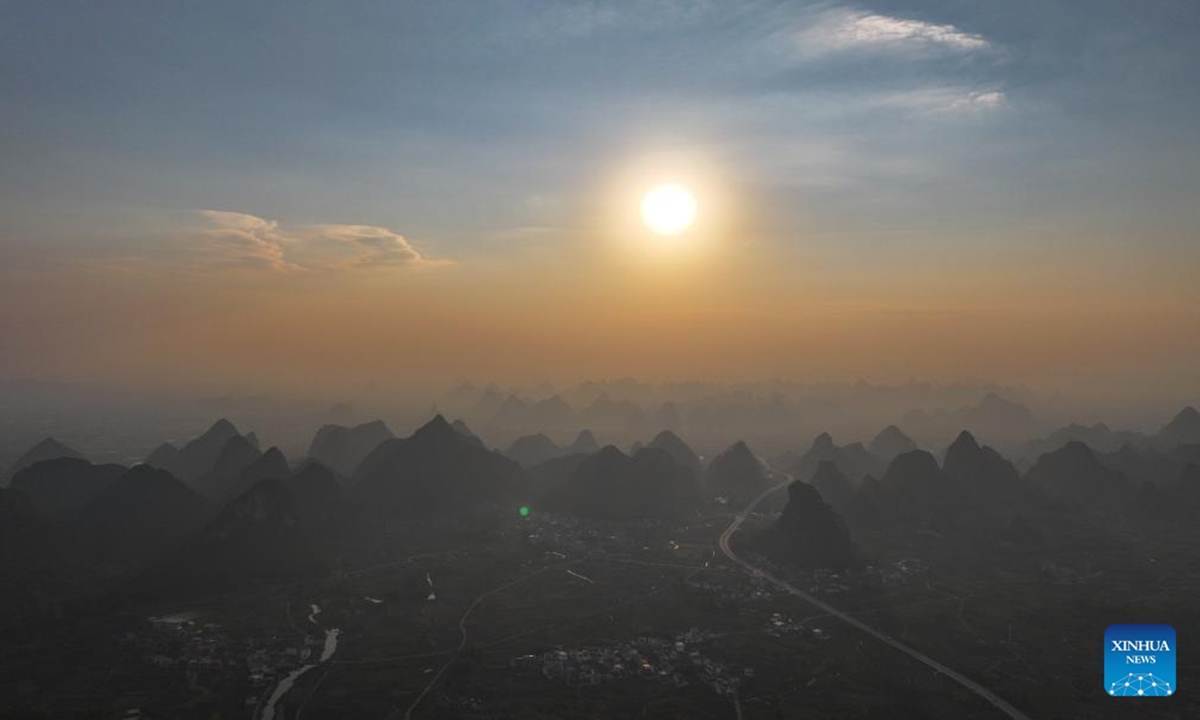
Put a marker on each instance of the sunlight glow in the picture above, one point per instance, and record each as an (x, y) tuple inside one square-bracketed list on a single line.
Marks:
[(669, 209)]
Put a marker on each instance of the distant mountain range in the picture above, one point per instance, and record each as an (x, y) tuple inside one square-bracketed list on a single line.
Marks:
[(249, 516), (611, 484), (854, 460), (343, 449), (198, 456), (994, 417), (434, 470), (47, 449)]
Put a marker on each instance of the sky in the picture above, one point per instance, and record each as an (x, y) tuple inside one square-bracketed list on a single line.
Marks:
[(310, 194)]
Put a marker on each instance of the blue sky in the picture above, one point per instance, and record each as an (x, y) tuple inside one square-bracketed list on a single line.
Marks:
[(396, 113)]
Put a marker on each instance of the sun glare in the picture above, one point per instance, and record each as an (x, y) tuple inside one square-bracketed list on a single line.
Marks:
[(669, 209)]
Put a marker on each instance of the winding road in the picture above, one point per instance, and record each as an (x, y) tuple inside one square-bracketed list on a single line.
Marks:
[(998, 702), (462, 643)]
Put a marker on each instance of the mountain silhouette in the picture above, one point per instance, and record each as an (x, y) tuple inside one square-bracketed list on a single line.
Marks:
[(518, 413), (604, 412), (1184, 429), (585, 443), (255, 529), (197, 457), (809, 533), (257, 537), (271, 464), (1147, 463), (224, 481), (42, 573), (890, 442), (1099, 437), (833, 485), (463, 429), (544, 477), (610, 484), (915, 470), (164, 457), (342, 449), (1074, 473), (981, 470), (679, 450), (47, 449), (998, 417), (913, 497), (60, 489), (316, 497), (142, 514), (736, 473), (854, 460), (993, 417), (434, 470), (530, 450)]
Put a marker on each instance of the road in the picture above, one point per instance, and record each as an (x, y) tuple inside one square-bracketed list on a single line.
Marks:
[(998, 702), (462, 643)]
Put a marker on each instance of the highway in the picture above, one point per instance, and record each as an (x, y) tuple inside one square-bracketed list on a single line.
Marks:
[(998, 702)]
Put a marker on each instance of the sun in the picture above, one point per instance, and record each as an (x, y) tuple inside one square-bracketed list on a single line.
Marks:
[(669, 209)]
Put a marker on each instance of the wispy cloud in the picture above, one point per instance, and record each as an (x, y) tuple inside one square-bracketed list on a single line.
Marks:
[(372, 246), (843, 29), (233, 239), (240, 240), (945, 100)]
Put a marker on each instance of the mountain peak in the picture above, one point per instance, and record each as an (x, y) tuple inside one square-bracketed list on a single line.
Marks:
[(222, 427), (824, 441), (274, 455), (585, 442), (679, 450), (49, 443), (890, 442), (436, 428), (1076, 449), (610, 451), (375, 426), (809, 532), (530, 450), (735, 472), (910, 466), (964, 442), (740, 447), (235, 447), (47, 449)]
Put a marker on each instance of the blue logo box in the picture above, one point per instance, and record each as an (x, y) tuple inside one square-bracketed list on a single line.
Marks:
[(1139, 661)]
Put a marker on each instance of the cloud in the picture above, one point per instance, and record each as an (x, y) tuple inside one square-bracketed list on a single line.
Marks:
[(241, 240), (233, 239), (839, 30), (375, 246), (945, 100)]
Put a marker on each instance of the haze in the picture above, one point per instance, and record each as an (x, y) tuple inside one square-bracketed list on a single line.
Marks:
[(305, 199)]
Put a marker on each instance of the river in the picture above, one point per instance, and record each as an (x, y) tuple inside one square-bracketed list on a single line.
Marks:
[(331, 644)]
